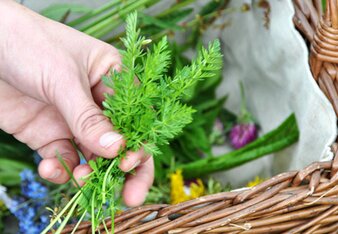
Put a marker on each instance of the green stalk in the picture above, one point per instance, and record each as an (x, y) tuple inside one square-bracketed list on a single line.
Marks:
[(73, 201), (64, 164), (105, 226), (94, 13), (107, 25), (173, 8), (104, 184), (112, 216), (93, 212), (110, 13), (283, 136), (176, 7), (78, 222), (64, 222), (228, 161)]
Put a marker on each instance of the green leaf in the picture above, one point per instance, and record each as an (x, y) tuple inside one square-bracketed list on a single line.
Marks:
[(58, 11), (9, 178), (152, 25), (161, 24), (92, 164), (166, 156), (160, 174), (281, 137), (8, 164)]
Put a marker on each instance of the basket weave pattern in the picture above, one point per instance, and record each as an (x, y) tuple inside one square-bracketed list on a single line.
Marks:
[(304, 201), (321, 30), (298, 201)]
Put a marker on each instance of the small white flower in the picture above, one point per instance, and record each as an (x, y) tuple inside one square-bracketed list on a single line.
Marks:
[(146, 41), (4, 197)]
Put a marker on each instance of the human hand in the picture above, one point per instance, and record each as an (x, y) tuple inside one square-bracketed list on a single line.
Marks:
[(50, 92)]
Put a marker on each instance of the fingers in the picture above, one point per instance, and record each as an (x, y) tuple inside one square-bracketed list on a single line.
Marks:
[(87, 154), (87, 122), (109, 60), (98, 92), (81, 172), (133, 160), (137, 186), (50, 168)]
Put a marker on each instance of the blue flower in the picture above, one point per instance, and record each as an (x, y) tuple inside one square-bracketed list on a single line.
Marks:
[(28, 216), (29, 208), (30, 187), (27, 175)]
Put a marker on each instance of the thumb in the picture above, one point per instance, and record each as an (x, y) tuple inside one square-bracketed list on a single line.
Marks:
[(87, 122)]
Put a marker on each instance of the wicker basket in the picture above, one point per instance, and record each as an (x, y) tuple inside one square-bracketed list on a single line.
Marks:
[(304, 201)]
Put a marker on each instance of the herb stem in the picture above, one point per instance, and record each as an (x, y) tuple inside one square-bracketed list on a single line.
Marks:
[(105, 226), (93, 211), (104, 184), (176, 7), (64, 222), (112, 216), (73, 201), (105, 26), (79, 222), (113, 11), (93, 13)]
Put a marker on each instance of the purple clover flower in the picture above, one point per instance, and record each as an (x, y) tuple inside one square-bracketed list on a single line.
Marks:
[(245, 131), (242, 134)]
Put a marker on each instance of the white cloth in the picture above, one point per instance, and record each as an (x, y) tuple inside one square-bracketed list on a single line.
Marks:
[(273, 64)]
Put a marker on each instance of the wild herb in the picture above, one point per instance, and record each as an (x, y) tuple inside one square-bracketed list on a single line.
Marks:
[(148, 113)]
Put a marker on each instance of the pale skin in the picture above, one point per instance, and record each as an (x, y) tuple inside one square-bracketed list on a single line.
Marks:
[(51, 91)]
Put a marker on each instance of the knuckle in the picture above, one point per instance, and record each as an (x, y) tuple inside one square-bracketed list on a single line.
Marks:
[(88, 121)]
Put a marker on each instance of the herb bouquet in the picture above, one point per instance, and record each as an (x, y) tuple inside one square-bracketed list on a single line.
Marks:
[(148, 114)]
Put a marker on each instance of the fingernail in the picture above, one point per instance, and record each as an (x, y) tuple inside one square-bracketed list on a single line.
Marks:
[(109, 139), (135, 165), (56, 174)]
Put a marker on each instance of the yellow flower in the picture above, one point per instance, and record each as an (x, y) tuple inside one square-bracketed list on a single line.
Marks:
[(255, 182), (197, 190), (180, 193)]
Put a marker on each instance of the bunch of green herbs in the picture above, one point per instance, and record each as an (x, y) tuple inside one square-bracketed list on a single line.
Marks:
[(148, 114)]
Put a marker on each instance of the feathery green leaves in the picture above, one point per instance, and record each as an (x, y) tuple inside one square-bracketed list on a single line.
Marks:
[(147, 112), (150, 111)]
